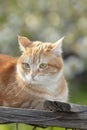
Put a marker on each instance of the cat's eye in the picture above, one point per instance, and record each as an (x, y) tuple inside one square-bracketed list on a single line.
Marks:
[(43, 66), (26, 65)]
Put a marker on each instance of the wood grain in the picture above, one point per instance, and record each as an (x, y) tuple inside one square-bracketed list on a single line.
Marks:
[(59, 114)]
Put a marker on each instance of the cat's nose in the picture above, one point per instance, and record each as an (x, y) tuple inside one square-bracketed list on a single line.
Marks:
[(33, 75)]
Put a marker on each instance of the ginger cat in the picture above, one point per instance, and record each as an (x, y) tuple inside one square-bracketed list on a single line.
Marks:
[(36, 76)]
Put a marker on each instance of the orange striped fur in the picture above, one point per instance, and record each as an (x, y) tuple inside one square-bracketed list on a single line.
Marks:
[(35, 76)]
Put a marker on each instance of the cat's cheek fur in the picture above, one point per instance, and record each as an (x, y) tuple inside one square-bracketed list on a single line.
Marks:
[(21, 75)]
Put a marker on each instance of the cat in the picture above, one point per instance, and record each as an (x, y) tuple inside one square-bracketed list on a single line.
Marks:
[(35, 76)]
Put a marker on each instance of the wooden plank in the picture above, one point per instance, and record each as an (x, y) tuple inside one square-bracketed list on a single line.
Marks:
[(67, 115)]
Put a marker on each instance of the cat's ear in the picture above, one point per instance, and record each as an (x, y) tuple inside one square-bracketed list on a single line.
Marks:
[(57, 47), (23, 42)]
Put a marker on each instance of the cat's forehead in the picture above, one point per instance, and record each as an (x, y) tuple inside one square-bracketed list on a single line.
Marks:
[(39, 47), (37, 43), (38, 52)]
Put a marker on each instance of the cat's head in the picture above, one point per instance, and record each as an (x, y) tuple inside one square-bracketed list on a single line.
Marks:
[(40, 62)]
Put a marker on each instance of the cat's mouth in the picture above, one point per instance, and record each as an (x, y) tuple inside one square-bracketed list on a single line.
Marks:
[(33, 80)]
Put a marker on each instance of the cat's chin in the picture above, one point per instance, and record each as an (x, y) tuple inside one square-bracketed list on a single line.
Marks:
[(35, 82)]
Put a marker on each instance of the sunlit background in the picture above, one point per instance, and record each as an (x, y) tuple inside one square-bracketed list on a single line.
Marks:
[(49, 20)]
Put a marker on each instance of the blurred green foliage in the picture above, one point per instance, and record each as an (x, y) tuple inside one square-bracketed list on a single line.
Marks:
[(48, 20)]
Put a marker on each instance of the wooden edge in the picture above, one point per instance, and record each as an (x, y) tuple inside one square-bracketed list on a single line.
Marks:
[(62, 106)]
